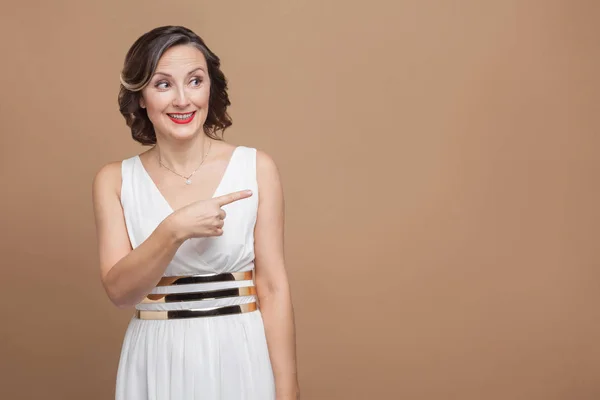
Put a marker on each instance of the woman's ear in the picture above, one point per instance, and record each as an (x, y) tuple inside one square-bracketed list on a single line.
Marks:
[(142, 103)]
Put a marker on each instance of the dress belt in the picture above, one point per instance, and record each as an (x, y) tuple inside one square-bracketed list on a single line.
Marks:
[(199, 295), (211, 312), (190, 279)]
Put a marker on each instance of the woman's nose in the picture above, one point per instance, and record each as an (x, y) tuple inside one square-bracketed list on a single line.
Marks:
[(181, 100)]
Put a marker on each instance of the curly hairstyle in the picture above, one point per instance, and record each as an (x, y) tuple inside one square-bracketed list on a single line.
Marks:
[(139, 67)]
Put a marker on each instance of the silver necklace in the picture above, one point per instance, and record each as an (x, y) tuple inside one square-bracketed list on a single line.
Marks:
[(188, 179)]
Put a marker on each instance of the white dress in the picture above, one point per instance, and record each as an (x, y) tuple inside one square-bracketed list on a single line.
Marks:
[(222, 357)]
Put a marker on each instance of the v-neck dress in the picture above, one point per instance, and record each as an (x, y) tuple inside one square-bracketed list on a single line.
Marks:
[(210, 358)]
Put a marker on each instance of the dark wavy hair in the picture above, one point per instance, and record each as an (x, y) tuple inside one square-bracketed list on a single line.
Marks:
[(139, 67)]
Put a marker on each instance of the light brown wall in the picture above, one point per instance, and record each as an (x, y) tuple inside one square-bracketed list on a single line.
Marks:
[(439, 161)]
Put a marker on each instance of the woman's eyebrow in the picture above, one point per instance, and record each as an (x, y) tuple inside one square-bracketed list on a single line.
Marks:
[(170, 76)]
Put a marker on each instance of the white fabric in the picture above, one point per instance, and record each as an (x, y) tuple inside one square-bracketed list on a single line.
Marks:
[(208, 358)]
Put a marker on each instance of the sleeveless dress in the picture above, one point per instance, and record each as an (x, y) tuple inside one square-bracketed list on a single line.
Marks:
[(222, 357)]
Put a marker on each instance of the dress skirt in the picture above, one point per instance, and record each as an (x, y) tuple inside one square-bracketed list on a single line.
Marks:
[(210, 358)]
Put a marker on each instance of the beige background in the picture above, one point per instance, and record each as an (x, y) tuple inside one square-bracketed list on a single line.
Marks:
[(439, 161)]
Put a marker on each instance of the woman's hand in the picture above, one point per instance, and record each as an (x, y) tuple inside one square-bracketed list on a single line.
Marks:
[(203, 218)]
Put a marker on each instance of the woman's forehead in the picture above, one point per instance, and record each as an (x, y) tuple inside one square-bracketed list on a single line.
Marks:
[(184, 58)]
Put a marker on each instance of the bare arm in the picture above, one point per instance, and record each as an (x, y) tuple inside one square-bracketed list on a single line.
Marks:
[(271, 279), (127, 275)]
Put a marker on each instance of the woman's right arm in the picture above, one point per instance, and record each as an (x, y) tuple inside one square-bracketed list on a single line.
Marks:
[(127, 275)]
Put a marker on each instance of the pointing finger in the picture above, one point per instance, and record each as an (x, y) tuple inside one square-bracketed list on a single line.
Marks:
[(231, 197)]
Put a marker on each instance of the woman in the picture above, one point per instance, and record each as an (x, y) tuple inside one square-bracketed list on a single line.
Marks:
[(190, 233)]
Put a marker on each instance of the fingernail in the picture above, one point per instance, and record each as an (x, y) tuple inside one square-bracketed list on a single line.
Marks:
[(249, 191)]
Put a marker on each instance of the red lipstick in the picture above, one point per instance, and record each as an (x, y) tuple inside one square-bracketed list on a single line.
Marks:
[(176, 117)]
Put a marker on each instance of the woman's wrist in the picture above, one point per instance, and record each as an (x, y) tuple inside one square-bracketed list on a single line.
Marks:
[(172, 230)]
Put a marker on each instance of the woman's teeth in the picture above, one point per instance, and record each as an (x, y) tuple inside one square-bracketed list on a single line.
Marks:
[(180, 116)]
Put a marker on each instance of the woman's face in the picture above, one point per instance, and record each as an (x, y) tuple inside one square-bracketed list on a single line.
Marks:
[(176, 98)]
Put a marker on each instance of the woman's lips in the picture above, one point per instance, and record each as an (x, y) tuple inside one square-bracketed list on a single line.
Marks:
[(177, 117)]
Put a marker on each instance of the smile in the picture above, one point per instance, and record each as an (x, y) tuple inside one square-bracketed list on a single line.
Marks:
[(179, 118)]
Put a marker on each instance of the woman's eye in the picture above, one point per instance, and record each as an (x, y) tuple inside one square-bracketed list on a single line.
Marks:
[(165, 85)]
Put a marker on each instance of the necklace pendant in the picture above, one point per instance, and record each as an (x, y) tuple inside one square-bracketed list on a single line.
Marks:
[(188, 182)]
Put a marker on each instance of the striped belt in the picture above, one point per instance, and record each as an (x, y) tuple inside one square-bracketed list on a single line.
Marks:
[(172, 282)]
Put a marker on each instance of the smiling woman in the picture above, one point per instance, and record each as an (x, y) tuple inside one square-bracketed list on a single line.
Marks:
[(171, 46), (187, 242)]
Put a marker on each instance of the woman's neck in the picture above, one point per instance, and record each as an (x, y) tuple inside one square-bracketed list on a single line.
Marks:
[(183, 156)]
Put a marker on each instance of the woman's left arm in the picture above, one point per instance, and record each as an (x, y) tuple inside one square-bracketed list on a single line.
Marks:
[(271, 279)]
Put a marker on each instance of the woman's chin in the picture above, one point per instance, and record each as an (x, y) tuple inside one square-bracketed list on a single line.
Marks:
[(183, 134)]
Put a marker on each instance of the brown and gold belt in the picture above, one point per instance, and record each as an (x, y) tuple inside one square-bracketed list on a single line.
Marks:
[(199, 295)]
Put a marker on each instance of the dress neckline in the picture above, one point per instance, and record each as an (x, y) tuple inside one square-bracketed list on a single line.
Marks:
[(164, 199)]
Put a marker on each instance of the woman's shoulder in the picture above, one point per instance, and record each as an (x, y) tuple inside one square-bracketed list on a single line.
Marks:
[(267, 171), (112, 170), (108, 177), (260, 154), (264, 161)]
